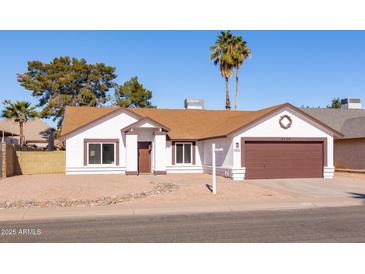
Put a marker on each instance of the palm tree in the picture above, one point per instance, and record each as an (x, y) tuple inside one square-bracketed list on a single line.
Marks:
[(222, 52), (240, 53), (21, 111)]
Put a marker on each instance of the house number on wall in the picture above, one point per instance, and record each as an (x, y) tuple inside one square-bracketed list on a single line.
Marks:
[(285, 121)]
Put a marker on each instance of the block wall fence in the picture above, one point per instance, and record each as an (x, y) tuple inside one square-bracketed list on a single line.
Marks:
[(14, 162)]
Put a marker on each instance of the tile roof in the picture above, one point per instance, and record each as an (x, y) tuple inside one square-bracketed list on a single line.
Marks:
[(34, 129), (350, 122)]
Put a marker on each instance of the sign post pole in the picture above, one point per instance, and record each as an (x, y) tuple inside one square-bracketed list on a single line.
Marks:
[(214, 183), (214, 177)]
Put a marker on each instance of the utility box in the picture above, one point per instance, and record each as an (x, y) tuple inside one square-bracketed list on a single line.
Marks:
[(351, 103), (194, 104)]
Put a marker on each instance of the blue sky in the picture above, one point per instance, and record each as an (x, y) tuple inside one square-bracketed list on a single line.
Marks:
[(300, 67)]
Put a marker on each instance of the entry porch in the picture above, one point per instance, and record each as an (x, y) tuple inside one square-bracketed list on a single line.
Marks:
[(145, 147)]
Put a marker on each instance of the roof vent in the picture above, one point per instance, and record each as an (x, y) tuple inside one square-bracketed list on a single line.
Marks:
[(194, 104), (351, 103)]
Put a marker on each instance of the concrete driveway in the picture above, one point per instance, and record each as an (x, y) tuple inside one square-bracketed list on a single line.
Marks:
[(343, 185)]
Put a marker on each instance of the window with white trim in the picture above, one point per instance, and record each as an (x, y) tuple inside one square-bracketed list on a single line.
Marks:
[(101, 153), (183, 153)]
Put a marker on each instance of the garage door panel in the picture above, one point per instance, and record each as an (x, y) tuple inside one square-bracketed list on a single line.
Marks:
[(283, 159), (275, 173)]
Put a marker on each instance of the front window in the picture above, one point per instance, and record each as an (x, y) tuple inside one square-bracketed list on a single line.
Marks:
[(101, 154), (183, 153)]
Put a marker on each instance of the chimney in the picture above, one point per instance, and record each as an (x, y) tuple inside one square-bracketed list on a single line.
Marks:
[(351, 103), (194, 104)]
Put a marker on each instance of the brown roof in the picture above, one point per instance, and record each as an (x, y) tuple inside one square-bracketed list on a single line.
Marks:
[(34, 129), (183, 123), (201, 124)]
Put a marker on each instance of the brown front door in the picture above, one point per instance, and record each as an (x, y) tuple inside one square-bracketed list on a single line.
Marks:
[(144, 157), (270, 159)]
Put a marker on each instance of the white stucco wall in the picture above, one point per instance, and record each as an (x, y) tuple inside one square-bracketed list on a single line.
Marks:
[(300, 128), (224, 158), (199, 153), (147, 124), (108, 127), (145, 134), (131, 152), (160, 152)]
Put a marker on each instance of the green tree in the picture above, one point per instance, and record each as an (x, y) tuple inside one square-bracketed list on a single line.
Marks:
[(21, 112), (67, 81), (222, 55), (133, 94), (240, 53), (336, 103)]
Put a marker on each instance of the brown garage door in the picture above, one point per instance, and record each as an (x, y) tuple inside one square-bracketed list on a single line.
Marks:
[(279, 159)]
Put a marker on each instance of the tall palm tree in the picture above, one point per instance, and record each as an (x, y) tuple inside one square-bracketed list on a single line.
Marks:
[(240, 53), (21, 111), (221, 55)]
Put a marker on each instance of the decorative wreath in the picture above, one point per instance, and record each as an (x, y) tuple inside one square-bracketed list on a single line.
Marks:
[(285, 125)]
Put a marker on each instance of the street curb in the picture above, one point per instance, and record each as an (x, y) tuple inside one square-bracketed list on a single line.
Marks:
[(129, 210)]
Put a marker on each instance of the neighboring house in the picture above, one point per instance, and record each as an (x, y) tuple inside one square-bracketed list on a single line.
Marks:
[(350, 150), (7, 137), (277, 142), (36, 132)]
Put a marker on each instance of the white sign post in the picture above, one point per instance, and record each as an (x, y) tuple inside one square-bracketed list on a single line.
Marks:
[(214, 178)]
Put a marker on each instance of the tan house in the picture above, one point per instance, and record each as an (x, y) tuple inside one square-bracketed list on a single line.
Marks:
[(36, 132)]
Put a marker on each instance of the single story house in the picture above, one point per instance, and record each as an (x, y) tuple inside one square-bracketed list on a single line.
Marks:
[(36, 132), (349, 151), (277, 142)]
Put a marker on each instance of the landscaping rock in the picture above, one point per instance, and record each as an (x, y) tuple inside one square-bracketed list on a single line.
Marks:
[(159, 189)]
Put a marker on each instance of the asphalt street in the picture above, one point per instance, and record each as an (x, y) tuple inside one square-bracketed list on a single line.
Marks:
[(345, 224)]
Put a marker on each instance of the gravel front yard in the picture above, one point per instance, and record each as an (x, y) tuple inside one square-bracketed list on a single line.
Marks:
[(89, 190), (184, 189), (76, 190)]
